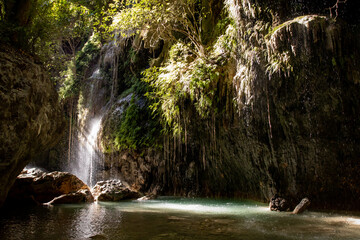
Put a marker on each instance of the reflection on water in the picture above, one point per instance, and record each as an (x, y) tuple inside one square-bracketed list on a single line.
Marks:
[(173, 218)]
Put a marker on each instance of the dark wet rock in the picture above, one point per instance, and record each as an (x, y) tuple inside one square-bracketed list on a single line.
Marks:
[(31, 117), (302, 206), (42, 187), (113, 190), (81, 196), (278, 204)]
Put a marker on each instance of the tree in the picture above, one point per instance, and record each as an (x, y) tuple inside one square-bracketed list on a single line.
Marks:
[(102, 13), (16, 18)]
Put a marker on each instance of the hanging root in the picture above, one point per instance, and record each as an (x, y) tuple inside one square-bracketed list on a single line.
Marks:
[(336, 7)]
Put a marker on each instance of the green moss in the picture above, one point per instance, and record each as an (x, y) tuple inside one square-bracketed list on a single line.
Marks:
[(136, 129), (274, 29), (297, 19)]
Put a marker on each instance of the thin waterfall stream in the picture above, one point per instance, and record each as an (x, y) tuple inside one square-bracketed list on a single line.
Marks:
[(88, 154)]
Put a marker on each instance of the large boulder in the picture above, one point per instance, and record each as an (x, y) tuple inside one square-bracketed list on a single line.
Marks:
[(113, 190), (35, 186), (31, 116)]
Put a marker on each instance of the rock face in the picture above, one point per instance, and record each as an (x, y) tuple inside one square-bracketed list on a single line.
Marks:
[(298, 123), (295, 126), (35, 186), (31, 118), (302, 206), (294, 129), (133, 168), (112, 191)]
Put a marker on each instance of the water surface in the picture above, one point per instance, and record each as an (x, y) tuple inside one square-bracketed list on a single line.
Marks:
[(173, 218)]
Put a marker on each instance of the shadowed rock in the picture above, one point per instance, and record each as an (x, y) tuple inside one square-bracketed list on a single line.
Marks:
[(34, 185), (31, 117)]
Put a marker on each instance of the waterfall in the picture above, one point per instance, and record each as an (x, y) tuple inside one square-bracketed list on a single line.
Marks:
[(87, 154), (87, 157), (87, 160)]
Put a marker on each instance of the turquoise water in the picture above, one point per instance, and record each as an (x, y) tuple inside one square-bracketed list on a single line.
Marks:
[(173, 218)]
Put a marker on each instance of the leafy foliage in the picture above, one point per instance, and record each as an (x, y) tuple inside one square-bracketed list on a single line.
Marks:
[(163, 20), (31, 25), (70, 86), (184, 79), (76, 68)]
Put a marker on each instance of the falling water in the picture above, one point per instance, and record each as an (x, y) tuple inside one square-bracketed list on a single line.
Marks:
[(87, 154)]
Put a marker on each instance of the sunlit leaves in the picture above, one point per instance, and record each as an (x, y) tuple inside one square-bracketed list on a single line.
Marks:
[(182, 78), (162, 20)]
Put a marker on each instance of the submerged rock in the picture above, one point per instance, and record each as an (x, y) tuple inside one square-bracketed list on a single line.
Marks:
[(302, 206), (112, 191), (34, 185), (31, 117)]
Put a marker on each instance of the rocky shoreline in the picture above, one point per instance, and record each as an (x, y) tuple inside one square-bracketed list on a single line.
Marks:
[(36, 187)]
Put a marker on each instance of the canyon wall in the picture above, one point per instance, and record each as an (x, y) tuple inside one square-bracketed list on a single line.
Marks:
[(31, 117), (286, 118)]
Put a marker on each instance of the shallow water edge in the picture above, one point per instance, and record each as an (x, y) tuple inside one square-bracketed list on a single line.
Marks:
[(174, 218)]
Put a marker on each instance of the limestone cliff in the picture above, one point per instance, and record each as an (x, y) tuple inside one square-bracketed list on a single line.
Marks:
[(31, 118), (282, 107), (286, 119)]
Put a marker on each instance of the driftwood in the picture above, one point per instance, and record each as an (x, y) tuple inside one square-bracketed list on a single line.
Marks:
[(302, 206)]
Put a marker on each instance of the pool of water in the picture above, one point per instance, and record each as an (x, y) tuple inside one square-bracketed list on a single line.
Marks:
[(173, 218)]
